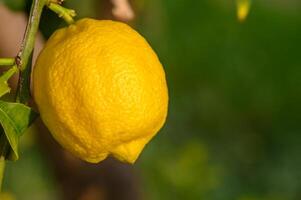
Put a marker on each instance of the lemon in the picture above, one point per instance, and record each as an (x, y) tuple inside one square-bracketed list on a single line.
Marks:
[(101, 90)]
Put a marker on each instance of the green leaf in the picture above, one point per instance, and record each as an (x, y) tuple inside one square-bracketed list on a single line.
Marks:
[(4, 88), (15, 118)]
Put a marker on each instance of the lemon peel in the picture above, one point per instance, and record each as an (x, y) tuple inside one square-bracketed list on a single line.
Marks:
[(101, 90)]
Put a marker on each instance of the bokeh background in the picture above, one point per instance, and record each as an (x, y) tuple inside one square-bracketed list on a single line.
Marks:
[(234, 125)]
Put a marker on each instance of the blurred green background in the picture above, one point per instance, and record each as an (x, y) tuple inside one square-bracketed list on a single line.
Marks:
[(234, 125)]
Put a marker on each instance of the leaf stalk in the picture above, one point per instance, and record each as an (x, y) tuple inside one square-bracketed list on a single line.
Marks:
[(7, 61), (65, 13)]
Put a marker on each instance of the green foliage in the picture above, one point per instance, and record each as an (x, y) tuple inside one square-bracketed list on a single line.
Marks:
[(31, 177), (4, 88), (15, 118), (236, 88)]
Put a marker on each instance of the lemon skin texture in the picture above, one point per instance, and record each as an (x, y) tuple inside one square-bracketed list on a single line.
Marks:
[(101, 90)]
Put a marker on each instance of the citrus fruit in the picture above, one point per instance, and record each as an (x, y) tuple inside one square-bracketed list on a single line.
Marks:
[(100, 89)]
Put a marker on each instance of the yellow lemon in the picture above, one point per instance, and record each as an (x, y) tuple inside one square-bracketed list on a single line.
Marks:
[(100, 89)]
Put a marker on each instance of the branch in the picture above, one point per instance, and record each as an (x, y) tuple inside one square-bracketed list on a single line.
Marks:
[(27, 46), (23, 64)]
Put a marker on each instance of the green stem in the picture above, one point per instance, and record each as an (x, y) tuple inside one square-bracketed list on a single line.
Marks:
[(23, 61), (2, 169), (30, 33), (7, 61), (23, 64), (27, 48), (65, 13)]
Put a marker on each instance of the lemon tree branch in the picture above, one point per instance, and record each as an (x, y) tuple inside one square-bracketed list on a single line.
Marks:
[(24, 55), (30, 33), (23, 64), (17, 114)]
